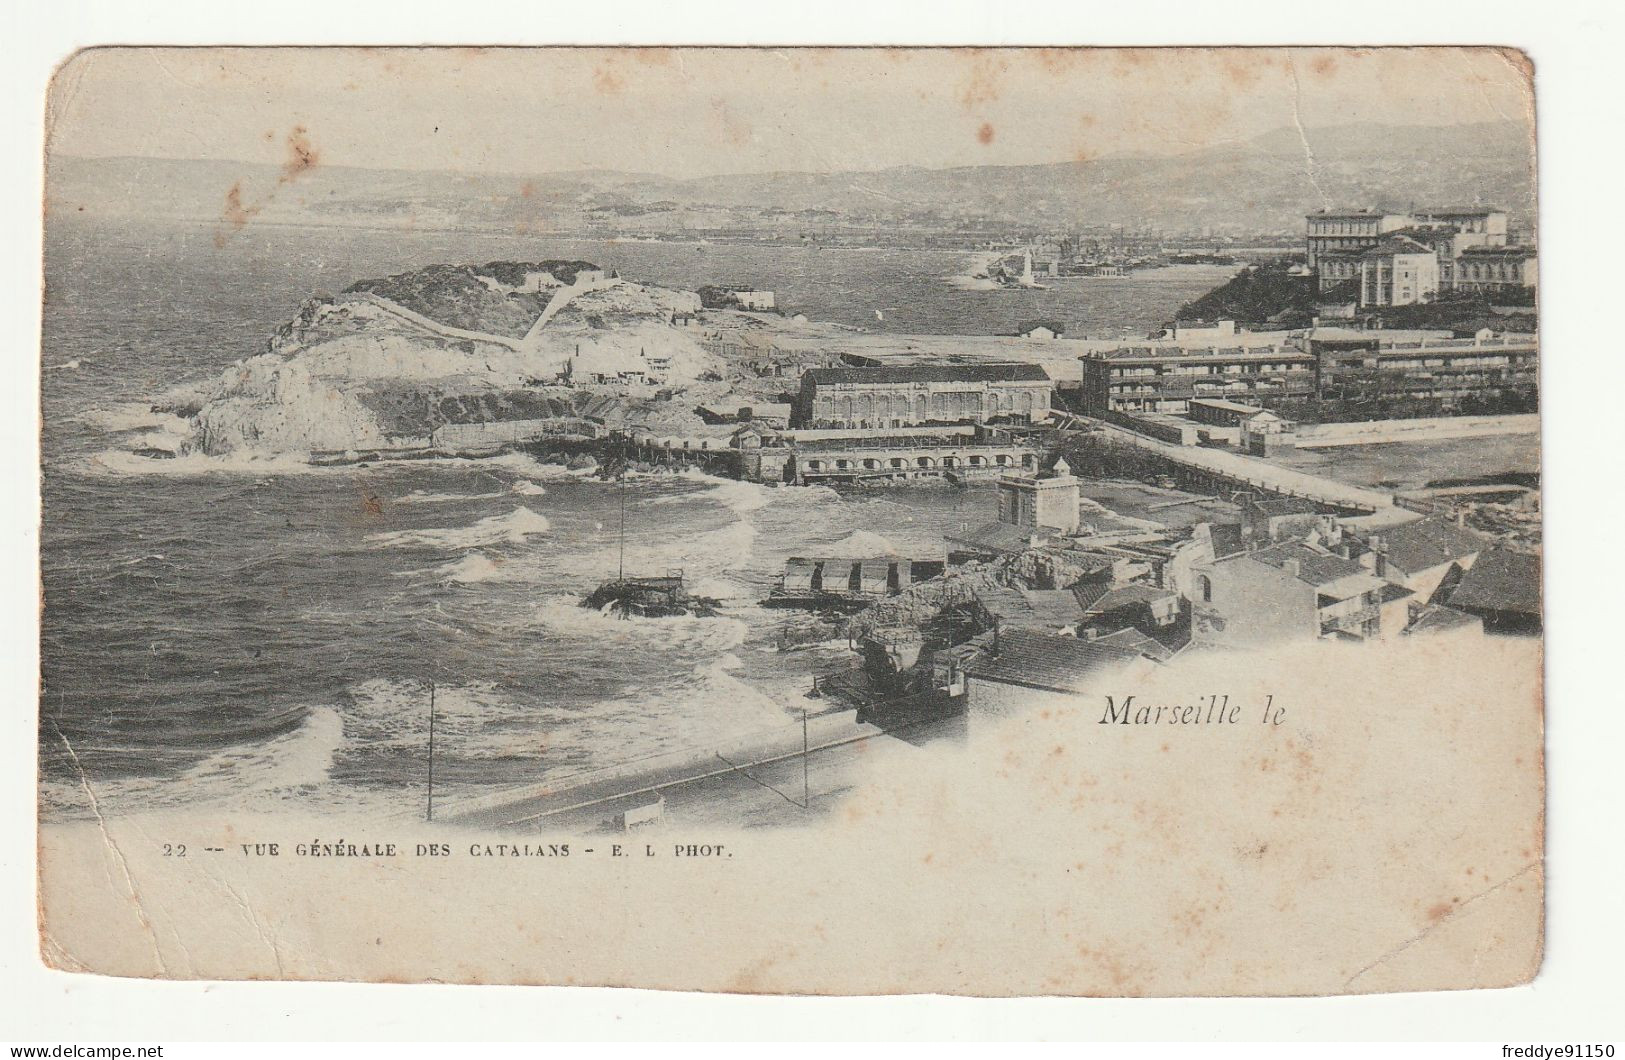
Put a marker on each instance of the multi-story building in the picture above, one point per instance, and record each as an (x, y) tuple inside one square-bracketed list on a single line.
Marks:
[(911, 395), (1289, 591), (1496, 270), (1339, 245), (1398, 271), (1350, 364), (1168, 378), (1479, 225), (1422, 556), (1319, 364), (1349, 231)]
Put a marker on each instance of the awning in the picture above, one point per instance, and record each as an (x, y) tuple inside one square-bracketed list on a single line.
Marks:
[(876, 575), (798, 576)]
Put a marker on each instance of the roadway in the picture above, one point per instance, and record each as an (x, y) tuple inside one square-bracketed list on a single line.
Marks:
[(1261, 474)]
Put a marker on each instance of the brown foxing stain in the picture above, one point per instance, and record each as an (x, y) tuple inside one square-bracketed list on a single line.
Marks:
[(371, 503), (735, 129), (302, 156), (235, 213), (1242, 72), (983, 84), (606, 81), (1323, 65), (985, 133), (1064, 60)]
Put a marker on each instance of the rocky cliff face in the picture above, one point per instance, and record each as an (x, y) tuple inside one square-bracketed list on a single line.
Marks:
[(327, 372)]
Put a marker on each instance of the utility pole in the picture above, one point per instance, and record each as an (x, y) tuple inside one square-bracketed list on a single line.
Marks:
[(430, 813), (620, 574)]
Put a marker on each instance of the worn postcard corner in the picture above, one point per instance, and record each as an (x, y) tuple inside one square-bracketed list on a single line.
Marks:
[(998, 522)]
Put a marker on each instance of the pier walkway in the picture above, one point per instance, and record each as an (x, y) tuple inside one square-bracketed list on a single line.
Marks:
[(1217, 466)]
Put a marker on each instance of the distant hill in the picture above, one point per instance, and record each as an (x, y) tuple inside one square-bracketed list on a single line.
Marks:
[(1260, 185)]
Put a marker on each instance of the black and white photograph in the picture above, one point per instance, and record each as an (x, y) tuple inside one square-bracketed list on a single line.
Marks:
[(1012, 521)]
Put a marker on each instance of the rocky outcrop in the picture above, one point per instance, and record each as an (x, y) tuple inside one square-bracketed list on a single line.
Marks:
[(362, 371)]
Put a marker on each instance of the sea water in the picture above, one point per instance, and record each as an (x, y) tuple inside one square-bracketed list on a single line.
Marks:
[(258, 632)]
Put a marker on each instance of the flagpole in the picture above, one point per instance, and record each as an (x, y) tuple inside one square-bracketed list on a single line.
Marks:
[(430, 813)]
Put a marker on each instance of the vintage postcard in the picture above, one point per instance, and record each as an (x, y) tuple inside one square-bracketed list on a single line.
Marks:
[(825, 521)]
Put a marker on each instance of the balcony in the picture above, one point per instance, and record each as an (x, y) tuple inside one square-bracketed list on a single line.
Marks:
[(1353, 616)]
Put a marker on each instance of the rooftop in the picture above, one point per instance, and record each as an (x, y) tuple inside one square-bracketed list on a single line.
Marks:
[(1009, 372), (993, 537), (1429, 543), (1315, 567), (1272, 506), (1500, 580), (1040, 660), (1436, 618), (1457, 211), (1128, 596), (1363, 211), (1033, 608), (1397, 244), (1129, 637), (1226, 538)]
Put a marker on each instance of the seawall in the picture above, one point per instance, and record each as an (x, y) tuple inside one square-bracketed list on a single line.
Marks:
[(1379, 432)]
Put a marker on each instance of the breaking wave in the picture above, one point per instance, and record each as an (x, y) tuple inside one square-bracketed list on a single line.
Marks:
[(425, 497), (474, 567), (289, 766), (512, 528), (562, 614)]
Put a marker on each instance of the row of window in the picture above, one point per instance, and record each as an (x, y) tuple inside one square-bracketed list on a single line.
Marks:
[(941, 404), (898, 463)]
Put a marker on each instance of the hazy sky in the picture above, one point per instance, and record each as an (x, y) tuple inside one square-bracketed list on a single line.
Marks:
[(691, 113)]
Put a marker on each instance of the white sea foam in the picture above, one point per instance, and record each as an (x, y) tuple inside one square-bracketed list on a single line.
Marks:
[(291, 765), (741, 497), (527, 488), (122, 462), (860, 544), (706, 554), (562, 614), (474, 567), (512, 528), (973, 274), (425, 497), (136, 416)]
